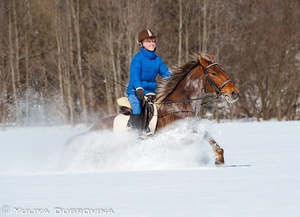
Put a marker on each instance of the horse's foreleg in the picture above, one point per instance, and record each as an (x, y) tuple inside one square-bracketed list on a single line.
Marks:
[(218, 151)]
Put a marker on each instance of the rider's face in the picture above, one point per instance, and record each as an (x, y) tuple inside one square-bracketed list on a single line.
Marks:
[(149, 44)]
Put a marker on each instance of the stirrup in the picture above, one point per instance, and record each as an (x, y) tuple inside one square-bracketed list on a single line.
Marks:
[(146, 131)]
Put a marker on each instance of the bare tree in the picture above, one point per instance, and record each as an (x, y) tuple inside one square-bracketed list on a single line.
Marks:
[(12, 59), (76, 54)]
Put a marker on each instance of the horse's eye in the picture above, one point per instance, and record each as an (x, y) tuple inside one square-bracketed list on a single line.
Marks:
[(214, 74)]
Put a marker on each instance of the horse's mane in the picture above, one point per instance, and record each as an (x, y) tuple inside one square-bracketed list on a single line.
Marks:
[(178, 74)]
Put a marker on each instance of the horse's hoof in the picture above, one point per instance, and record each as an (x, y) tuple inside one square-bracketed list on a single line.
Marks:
[(219, 154), (218, 162)]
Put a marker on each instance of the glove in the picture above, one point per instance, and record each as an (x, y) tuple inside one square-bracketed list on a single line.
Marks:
[(140, 93)]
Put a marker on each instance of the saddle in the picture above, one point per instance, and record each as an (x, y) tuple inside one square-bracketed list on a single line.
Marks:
[(148, 111)]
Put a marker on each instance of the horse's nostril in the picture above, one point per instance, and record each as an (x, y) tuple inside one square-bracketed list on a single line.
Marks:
[(235, 94)]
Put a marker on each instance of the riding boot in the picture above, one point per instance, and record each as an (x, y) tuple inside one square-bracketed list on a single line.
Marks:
[(135, 121), (145, 123)]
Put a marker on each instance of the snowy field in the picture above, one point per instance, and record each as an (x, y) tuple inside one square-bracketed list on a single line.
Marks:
[(43, 173)]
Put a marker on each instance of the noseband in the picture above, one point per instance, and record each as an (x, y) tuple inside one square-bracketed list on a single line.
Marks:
[(217, 88)]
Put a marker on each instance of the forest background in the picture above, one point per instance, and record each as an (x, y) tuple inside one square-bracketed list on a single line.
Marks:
[(67, 61)]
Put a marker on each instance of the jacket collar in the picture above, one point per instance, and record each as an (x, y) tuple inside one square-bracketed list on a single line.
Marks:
[(150, 54)]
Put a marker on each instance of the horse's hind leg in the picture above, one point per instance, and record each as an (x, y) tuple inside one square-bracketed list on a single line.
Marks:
[(218, 151), (103, 124)]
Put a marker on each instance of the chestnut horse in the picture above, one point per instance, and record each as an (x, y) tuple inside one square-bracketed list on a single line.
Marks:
[(179, 97)]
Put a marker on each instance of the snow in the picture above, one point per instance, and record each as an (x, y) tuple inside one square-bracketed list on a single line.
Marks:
[(44, 172)]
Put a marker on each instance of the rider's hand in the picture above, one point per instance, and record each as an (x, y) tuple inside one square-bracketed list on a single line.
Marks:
[(151, 97), (140, 93)]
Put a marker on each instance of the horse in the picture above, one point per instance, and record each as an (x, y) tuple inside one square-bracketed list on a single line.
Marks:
[(179, 96)]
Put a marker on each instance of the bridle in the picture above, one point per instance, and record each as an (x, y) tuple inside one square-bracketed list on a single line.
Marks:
[(217, 88)]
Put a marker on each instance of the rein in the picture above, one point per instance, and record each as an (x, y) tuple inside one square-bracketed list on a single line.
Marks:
[(189, 100)]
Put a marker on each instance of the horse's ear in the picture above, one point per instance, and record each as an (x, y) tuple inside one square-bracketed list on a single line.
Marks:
[(212, 56), (204, 60)]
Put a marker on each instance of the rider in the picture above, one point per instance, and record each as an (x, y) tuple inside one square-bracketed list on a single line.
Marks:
[(144, 68)]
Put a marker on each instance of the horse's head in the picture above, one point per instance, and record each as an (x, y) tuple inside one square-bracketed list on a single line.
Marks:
[(216, 80)]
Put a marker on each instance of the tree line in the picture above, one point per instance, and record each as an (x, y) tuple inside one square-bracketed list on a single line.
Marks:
[(67, 61)]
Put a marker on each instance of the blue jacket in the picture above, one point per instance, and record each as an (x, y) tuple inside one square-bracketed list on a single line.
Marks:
[(144, 67)]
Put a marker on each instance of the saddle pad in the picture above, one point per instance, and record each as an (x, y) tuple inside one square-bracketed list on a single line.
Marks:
[(120, 122), (124, 101)]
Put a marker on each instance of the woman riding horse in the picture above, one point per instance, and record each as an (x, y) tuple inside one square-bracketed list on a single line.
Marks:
[(144, 68), (179, 97)]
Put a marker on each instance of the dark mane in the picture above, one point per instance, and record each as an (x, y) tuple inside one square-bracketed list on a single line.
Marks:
[(178, 74)]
